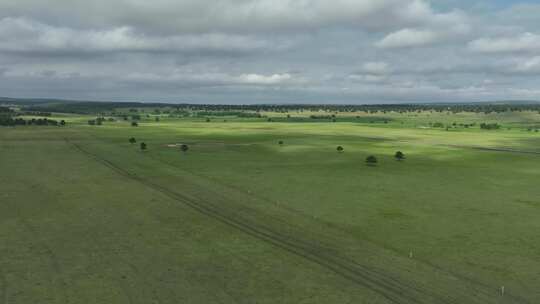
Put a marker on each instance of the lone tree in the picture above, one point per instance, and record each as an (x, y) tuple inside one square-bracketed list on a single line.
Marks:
[(399, 155), (184, 148), (62, 122), (134, 124), (340, 149), (371, 160), (280, 142), (132, 140), (143, 146)]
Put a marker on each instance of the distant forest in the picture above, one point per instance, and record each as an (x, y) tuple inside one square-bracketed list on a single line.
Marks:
[(87, 107)]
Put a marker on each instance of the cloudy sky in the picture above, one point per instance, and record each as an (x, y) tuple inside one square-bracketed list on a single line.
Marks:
[(262, 51)]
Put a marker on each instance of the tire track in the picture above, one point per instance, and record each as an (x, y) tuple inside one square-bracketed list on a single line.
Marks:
[(486, 289), (320, 247), (482, 289), (398, 293), (393, 290), (506, 150)]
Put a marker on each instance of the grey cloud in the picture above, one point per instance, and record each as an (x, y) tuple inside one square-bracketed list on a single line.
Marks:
[(212, 79), (521, 15), (439, 28), (376, 68), (226, 15), (526, 42), (268, 50), (23, 35), (528, 65)]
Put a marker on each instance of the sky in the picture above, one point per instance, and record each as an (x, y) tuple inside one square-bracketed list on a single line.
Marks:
[(271, 51)]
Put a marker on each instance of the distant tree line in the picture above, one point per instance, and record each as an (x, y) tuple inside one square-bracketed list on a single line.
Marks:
[(5, 111), (229, 113), (221, 110), (42, 114)]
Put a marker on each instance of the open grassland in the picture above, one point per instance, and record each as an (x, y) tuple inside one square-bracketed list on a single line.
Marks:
[(87, 217)]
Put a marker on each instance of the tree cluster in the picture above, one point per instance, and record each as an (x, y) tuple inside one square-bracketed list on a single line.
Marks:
[(10, 121), (490, 126)]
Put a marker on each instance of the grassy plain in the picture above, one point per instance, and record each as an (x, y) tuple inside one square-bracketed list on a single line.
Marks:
[(86, 217)]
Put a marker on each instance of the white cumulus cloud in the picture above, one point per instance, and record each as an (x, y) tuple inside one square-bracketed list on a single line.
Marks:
[(409, 38), (265, 80), (376, 68)]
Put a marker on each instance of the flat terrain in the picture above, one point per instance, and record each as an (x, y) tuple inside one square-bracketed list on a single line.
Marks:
[(87, 217)]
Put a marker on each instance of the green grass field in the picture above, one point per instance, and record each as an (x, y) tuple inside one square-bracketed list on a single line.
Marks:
[(87, 217)]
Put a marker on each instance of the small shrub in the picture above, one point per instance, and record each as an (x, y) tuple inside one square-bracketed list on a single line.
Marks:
[(438, 125)]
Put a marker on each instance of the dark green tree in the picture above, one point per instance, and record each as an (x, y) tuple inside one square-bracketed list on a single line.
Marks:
[(399, 155), (371, 160), (184, 148), (134, 124), (132, 140), (281, 142), (143, 146), (340, 149)]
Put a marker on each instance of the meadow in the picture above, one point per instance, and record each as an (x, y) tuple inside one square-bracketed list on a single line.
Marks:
[(88, 217)]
